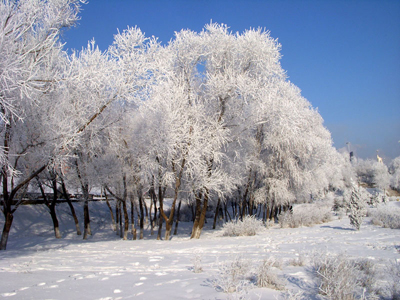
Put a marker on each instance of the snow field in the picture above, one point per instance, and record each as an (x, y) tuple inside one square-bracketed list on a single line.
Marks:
[(38, 266)]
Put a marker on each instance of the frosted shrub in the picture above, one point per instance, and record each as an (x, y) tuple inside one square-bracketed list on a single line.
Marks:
[(250, 225), (387, 217), (233, 276), (340, 278), (291, 295), (306, 215), (267, 276), (356, 207), (393, 272), (299, 261), (197, 267)]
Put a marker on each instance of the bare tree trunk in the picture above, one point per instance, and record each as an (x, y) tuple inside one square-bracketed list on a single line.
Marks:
[(133, 227), (9, 197), (71, 207), (51, 206), (86, 217), (126, 220), (177, 217), (146, 221), (197, 215), (216, 213), (6, 230), (160, 223), (196, 232), (141, 220), (114, 226), (117, 216), (121, 229), (151, 217)]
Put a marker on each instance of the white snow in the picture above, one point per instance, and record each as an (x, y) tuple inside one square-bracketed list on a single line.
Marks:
[(38, 266)]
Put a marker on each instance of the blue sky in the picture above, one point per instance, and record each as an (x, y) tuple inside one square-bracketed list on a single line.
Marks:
[(343, 55)]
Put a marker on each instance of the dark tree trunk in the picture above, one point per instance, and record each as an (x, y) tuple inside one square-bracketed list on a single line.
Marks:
[(146, 211), (6, 230), (117, 215), (177, 217), (160, 223), (86, 217), (114, 226), (216, 213), (196, 232), (133, 224), (197, 214), (141, 220), (51, 206), (126, 220), (9, 197), (121, 229), (71, 207)]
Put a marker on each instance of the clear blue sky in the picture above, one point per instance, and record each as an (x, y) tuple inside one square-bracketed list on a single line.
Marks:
[(344, 55)]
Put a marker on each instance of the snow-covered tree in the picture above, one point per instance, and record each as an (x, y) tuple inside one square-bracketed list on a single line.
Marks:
[(29, 52), (356, 207), (373, 173), (394, 170)]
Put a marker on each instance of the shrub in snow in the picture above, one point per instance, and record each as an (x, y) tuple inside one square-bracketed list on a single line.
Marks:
[(306, 215), (356, 207), (340, 278), (292, 295), (387, 217), (393, 272), (267, 276), (299, 261), (233, 276), (250, 225), (197, 267)]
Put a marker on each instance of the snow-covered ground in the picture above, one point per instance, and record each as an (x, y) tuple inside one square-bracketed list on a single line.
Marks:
[(38, 266)]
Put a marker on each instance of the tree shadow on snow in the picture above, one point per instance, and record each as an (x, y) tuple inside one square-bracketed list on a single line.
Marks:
[(338, 227)]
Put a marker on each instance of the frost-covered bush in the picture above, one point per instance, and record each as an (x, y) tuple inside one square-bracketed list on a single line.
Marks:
[(268, 277), (197, 266), (385, 216), (356, 208), (299, 261), (233, 276), (394, 170), (393, 272), (292, 295), (306, 215), (340, 278), (250, 225)]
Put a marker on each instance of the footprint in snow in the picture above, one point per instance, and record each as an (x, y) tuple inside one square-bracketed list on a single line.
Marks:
[(139, 283), (61, 280), (8, 294), (156, 258), (23, 288), (41, 284), (117, 291), (143, 278)]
